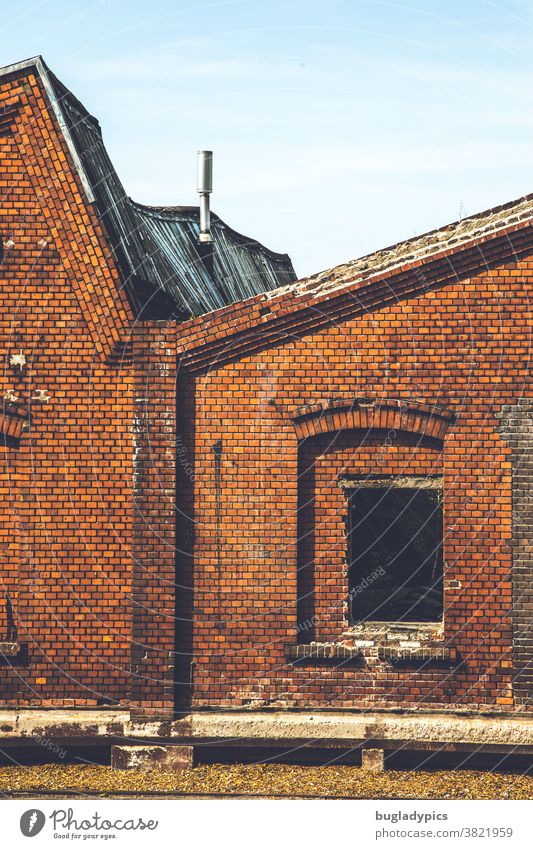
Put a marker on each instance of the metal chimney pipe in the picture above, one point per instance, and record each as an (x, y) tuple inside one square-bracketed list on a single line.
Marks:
[(205, 187)]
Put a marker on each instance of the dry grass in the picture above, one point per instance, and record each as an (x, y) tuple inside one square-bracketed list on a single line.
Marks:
[(269, 780)]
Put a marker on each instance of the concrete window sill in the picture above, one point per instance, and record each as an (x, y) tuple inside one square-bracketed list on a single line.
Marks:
[(393, 632), (422, 656), (322, 653)]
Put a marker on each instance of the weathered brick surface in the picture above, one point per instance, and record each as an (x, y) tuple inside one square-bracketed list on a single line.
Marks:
[(267, 477), (70, 530), (170, 547), (152, 758), (517, 430)]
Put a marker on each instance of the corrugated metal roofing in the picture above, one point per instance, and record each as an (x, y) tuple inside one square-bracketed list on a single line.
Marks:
[(165, 272), (241, 267)]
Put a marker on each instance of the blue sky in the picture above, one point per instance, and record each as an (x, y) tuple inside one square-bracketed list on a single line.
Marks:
[(338, 127)]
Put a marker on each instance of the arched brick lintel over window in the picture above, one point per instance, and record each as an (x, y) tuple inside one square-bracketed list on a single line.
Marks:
[(12, 425), (372, 413)]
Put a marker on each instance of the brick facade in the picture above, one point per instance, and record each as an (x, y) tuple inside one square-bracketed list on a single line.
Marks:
[(517, 430), (173, 531), (411, 388)]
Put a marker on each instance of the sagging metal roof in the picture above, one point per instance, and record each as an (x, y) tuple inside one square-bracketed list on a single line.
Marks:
[(165, 271), (240, 267)]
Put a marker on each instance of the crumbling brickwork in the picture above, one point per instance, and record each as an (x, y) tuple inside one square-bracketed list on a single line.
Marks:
[(285, 413), (517, 430)]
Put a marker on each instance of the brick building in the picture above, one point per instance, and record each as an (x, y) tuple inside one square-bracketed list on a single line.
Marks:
[(240, 499)]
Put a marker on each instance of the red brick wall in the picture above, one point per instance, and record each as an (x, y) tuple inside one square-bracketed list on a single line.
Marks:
[(154, 518), (464, 346), (66, 532), (66, 481)]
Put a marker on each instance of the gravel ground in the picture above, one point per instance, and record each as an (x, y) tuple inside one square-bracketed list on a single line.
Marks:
[(269, 780)]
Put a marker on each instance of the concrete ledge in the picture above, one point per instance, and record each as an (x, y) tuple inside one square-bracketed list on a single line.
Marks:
[(320, 652), (409, 730), (152, 758), (430, 731), (423, 656)]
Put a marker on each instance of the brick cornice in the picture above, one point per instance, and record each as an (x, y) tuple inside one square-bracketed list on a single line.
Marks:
[(281, 317)]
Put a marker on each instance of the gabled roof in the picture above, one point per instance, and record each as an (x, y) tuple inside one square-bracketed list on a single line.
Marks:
[(475, 229), (164, 271), (405, 269)]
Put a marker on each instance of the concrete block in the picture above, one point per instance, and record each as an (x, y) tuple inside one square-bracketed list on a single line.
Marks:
[(373, 760), (152, 758)]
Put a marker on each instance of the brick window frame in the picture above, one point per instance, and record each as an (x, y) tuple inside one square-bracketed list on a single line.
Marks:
[(366, 417), (368, 412)]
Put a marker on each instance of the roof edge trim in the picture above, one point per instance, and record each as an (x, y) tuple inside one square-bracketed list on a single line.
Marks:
[(38, 63)]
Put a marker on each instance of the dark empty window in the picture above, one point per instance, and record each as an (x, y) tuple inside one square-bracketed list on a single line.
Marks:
[(395, 549)]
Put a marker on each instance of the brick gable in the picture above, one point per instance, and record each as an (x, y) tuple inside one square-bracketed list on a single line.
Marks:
[(70, 219)]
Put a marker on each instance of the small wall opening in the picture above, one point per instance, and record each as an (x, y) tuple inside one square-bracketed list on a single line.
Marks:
[(395, 561)]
